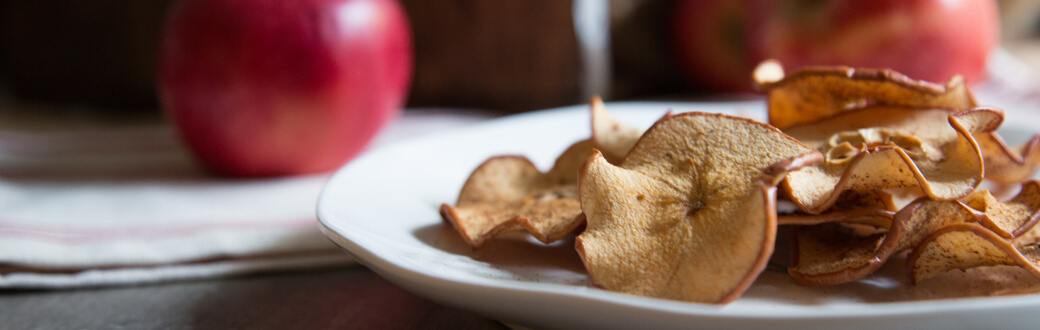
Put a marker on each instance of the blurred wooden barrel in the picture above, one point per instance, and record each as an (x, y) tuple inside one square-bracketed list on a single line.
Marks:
[(88, 52), (509, 55)]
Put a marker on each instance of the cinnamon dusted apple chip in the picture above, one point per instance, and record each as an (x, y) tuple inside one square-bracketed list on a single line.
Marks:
[(810, 94), (609, 135), (508, 193), (813, 93), (877, 199), (874, 217), (1006, 164), (890, 148), (832, 253), (967, 245), (1008, 219), (1030, 237), (690, 214), (820, 258)]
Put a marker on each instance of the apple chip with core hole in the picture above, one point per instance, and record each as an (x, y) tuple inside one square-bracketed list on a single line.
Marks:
[(967, 245), (832, 253), (612, 137), (690, 214), (509, 194), (813, 93), (890, 148)]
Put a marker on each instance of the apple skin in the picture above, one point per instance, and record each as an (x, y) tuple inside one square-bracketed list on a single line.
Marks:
[(930, 40), (712, 40), (274, 87)]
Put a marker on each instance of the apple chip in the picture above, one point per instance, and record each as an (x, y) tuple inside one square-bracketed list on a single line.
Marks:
[(1030, 237), (825, 255), (612, 137), (1009, 165), (508, 193), (813, 93), (967, 245), (831, 254), (874, 217), (877, 199), (1008, 219), (690, 214), (890, 148)]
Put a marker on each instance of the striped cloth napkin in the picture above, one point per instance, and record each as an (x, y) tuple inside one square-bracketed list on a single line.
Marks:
[(102, 207)]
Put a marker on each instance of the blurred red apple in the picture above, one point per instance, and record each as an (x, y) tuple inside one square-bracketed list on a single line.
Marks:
[(925, 39), (713, 42), (276, 87)]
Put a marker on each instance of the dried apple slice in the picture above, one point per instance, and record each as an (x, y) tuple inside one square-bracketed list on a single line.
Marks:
[(1008, 219), (1030, 237), (877, 199), (508, 193), (832, 253), (612, 137), (690, 214), (871, 216), (1009, 165), (1029, 234), (813, 93), (890, 148), (820, 258), (967, 245), (1005, 164)]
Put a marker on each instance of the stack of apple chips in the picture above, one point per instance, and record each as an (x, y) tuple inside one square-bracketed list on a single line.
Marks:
[(877, 164)]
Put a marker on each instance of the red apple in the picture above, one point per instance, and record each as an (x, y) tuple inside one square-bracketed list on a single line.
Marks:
[(925, 39), (712, 40), (276, 87)]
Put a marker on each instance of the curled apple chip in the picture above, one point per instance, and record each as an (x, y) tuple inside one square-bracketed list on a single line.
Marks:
[(612, 137), (869, 216), (813, 93), (829, 254), (690, 214), (876, 199), (967, 245), (890, 148), (508, 193), (824, 255), (832, 253), (1008, 219), (1006, 164), (1029, 237)]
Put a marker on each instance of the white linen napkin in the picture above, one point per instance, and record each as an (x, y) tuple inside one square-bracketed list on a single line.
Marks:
[(124, 206)]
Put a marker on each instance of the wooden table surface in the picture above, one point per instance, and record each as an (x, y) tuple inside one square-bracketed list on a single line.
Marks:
[(351, 298)]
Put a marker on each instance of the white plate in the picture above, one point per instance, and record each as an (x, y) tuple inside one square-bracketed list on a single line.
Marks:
[(382, 208)]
